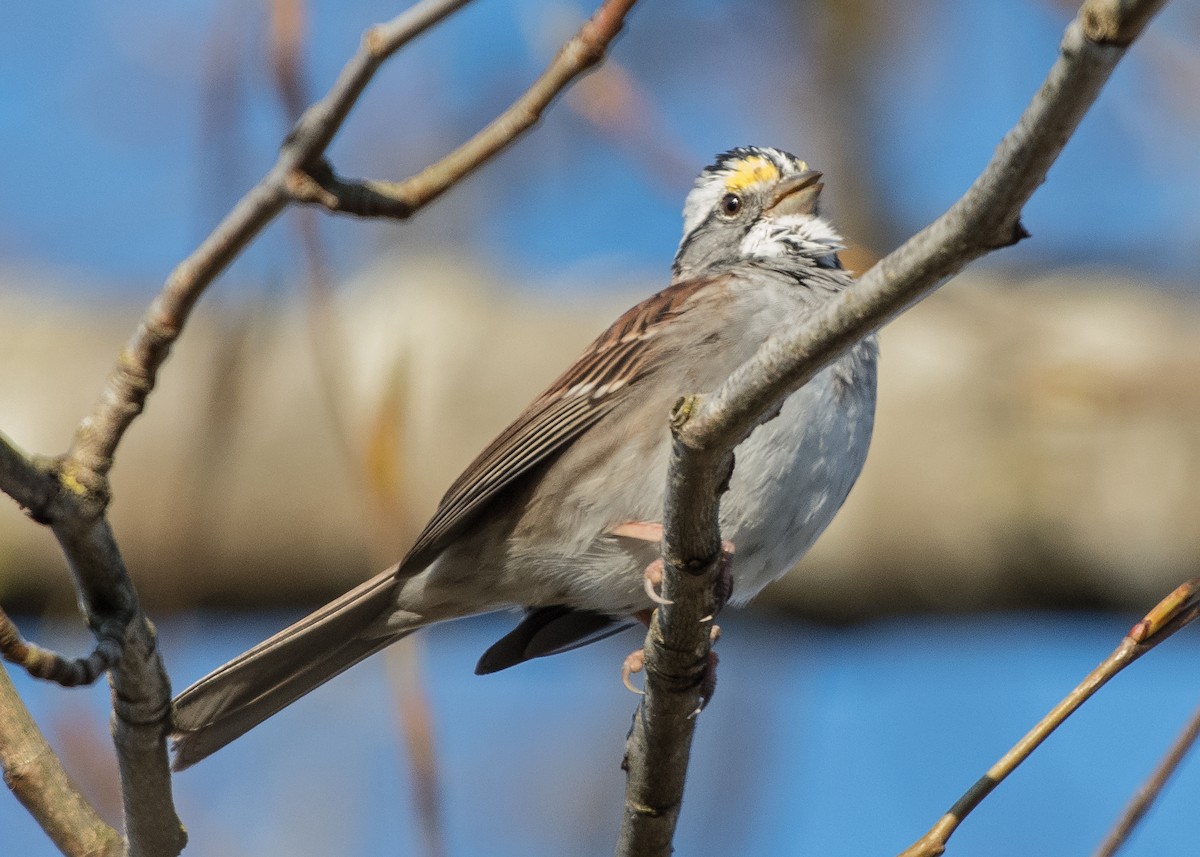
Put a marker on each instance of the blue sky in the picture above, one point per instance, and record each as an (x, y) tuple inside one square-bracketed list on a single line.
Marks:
[(111, 173)]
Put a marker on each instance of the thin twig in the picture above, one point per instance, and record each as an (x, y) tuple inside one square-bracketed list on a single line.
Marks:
[(29, 481), (51, 666), (707, 428), (318, 184), (36, 777), (1151, 789), (1175, 611), (141, 690), (131, 380)]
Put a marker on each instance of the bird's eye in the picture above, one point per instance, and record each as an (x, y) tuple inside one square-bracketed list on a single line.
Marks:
[(731, 204)]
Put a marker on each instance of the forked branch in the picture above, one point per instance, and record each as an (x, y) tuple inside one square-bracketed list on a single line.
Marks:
[(71, 492)]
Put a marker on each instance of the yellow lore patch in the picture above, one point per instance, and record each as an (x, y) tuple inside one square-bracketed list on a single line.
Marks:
[(751, 171)]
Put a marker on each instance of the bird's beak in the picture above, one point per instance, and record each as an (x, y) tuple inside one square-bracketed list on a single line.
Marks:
[(797, 195)]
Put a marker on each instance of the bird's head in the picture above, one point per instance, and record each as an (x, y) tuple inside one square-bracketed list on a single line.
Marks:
[(755, 204)]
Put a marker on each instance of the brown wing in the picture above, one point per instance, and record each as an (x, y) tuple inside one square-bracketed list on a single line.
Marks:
[(584, 393)]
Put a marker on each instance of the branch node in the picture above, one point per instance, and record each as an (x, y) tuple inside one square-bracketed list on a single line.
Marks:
[(1106, 22), (644, 811), (309, 185), (375, 43)]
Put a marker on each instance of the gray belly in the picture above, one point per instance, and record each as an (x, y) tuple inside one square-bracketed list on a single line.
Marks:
[(793, 473)]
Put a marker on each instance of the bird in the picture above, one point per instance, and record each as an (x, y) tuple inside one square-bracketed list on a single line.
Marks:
[(560, 515)]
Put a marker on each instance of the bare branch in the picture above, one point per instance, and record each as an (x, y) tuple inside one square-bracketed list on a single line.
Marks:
[(36, 777), (706, 429), (1172, 613), (1151, 789), (90, 458), (72, 492), (51, 666), (141, 691), (400, 199), (29, 481)]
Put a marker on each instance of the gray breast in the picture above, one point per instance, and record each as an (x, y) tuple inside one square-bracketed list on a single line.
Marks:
[(794, 472)]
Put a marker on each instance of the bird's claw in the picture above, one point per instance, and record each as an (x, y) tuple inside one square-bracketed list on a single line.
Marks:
[(708, 682), (652, 582), (723, 585), (635, 662)]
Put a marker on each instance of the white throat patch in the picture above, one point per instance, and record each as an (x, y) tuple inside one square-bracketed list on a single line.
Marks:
[(800, 236)]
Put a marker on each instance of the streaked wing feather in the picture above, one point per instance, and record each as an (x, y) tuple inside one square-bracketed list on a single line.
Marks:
[(580, 397)]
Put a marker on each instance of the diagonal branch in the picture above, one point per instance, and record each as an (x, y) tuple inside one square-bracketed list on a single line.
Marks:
[(707, 428), (986, 218), (1151, 789), (399, 200), (132, 378), (1177, 610), (36, 777)]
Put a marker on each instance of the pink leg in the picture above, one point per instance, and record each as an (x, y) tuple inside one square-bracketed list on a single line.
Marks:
[(648, 531), (635, 662)]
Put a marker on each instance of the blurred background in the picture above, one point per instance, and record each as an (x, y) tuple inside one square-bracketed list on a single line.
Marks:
[(1031, 490)]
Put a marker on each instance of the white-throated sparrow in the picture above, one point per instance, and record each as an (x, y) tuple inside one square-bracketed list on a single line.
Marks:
[(546, 517)]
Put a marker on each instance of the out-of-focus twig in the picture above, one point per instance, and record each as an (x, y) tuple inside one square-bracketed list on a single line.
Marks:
[(285, 40), (415, 722), (705, 429), (36, 777), (86, 465), (362, 455), (1151, 789), (614, 102), (1172, 613), (319, 185)]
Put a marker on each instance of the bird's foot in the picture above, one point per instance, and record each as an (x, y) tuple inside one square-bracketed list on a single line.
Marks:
[(647, 531), (635, 662), (708, 682), (723, 585), (652, 582)]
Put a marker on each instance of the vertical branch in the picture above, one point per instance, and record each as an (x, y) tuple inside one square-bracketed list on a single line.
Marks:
[(141, 691), (676, 653)]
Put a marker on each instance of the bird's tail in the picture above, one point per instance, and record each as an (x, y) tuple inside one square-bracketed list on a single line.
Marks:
[(238, 696)]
